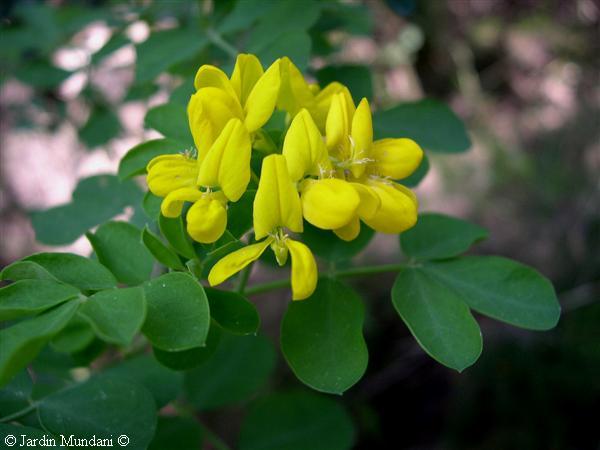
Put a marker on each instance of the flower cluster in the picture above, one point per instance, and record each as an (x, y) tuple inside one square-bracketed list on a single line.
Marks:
[(329, 172)]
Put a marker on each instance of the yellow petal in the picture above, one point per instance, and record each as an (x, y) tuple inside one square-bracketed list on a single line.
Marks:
[(227, 163), (172, 205), (277, 203), (349, 231), (321, 103), (329, 203), (246, 73), (303, 147), (236, 261), (395, 158), (398, 210), (200, 126), (209, 110), (339, 121), (206, 220), (362, 137), (369, 200), (262, 99), (304, 270), (167, 173), (211, 76), (294, 92)]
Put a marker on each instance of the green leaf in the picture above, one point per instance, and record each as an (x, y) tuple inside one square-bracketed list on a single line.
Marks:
[(430, 123), (135, 160), (102, 126), (170, 119), (187, 359), (225, 245), (328, 246), (418, 175), (116, 315), (182, 93), (116, 42), (151, 205), (16, 395), (500, 288), (276, 23), (28, 297), (75, 337), (239, 214), (160, 251), (163, 49), (41, 74), (30, 433), (233, 311), (321, 338), (118, 246), (25, 270), (243, 15), (178, 316), (95, 200), (438, 319), (437, 236), (164, 384), (179, 433), (20, 343), (294, 44), (240, 366), (104, 407), (83, 273), (296, 421), (174, 232), (358, 79)]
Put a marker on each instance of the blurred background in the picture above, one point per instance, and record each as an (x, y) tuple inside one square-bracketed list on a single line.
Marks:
[(76, 82)]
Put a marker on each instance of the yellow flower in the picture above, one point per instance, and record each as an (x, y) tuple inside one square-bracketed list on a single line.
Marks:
[(223, 115), (250, 96), (276, 206), (178, 178), (371, 167), (296, 94), (327, 202)]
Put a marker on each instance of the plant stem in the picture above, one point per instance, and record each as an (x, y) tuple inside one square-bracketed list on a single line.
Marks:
[(215, 440), (353, 272), (244, 276), (266, 287), (368, 270), (215, 37), (19, 413)]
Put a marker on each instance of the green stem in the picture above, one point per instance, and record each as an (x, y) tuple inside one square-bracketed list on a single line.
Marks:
[(266, 287), (215, 440), (19, 413), (244, 276), (368, 270), (216, 38), (353, 272)]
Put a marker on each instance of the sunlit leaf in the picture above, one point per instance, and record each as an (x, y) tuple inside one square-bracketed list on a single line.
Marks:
[(95, 200), (178, 315), (438, 318), (437, 236), (433, 125), (119, 247), (322, 340)]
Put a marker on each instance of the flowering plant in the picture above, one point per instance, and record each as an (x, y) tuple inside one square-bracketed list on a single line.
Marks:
[(161, 318), (332, 181)]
